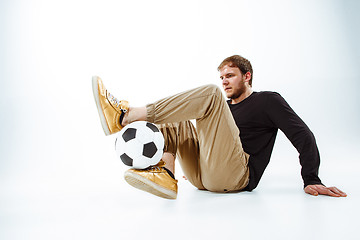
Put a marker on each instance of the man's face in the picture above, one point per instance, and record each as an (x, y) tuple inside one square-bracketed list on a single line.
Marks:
[(233, 81)]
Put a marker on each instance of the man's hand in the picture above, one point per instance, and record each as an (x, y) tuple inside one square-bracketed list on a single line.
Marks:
[(322, 190)]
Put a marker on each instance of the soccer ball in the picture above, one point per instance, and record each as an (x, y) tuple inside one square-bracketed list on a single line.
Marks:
[(139, 145)]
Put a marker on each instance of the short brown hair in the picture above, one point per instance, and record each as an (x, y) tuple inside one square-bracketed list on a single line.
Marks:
[(240, 62)]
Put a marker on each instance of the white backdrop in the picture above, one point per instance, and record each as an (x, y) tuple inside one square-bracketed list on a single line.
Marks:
[(51, 138)]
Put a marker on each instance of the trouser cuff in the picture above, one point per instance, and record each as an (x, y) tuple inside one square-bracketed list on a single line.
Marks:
[(150, 114)]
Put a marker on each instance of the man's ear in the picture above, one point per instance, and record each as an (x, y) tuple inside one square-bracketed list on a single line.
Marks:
[(247, 77)]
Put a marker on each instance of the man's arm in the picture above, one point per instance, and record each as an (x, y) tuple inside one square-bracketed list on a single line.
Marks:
[(284, 118)]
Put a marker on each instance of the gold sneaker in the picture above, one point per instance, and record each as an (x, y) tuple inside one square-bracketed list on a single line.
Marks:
[(111, 110), (154, 179)]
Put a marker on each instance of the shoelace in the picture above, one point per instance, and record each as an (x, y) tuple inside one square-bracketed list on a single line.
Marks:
[(158, 167), (115, 101)]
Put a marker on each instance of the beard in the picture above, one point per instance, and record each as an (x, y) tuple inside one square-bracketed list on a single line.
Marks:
[(235, 94)]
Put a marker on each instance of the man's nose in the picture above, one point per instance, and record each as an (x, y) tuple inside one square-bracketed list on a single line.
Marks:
[(225, 81)]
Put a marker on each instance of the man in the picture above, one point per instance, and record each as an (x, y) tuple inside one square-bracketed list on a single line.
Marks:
[(231, 145)]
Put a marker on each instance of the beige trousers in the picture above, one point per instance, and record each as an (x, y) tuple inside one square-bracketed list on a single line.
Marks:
[(211, 155)]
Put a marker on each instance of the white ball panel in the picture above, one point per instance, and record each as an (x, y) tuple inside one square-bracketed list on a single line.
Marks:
[(156, 158), (159, 140), (144, 135), (141, 162), (133, 148), (120, 145)]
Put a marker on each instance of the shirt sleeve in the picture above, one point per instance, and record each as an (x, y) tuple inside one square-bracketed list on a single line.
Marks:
[(284, 118)]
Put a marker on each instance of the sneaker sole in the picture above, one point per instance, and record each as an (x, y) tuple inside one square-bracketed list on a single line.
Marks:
[(146, 185), (95, 88)]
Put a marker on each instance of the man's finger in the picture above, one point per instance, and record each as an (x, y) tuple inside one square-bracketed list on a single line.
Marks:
[(338, 191), (332, 193), (311, 191)]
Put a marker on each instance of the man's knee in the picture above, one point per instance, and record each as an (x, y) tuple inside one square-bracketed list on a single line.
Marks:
[(213, 89)]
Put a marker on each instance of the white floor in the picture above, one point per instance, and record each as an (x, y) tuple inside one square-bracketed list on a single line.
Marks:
[(90, 200)]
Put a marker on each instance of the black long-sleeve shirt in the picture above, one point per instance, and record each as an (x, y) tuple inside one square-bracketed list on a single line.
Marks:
[(259, 117)]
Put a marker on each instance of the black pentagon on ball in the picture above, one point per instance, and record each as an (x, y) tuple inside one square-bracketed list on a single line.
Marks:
[(152, 127), (149, 149), (126, 159), (129, 134)]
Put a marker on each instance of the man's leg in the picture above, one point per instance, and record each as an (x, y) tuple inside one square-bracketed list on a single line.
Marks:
[(169, 160), (222, 164), (181, 141)]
